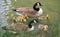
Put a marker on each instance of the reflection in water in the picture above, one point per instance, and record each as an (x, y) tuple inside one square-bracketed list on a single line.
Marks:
[(3, 9)]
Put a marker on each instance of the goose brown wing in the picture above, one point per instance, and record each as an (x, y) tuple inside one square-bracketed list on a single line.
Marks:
[(27, 10), (19, 26), (31, 11)]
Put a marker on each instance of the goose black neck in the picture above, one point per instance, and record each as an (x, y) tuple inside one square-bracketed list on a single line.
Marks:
[(34, 7), (30, 24)]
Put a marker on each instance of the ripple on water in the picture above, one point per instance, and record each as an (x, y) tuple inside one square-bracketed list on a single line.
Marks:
[(3, 9)]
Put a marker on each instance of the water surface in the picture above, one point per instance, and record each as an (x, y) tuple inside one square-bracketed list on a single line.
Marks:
[(4, 8)]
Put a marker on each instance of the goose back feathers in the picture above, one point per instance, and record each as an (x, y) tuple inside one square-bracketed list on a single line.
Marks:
[(25, 10)]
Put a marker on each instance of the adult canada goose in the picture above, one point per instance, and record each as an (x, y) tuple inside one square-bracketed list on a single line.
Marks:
[(29, 11), (21, 26)]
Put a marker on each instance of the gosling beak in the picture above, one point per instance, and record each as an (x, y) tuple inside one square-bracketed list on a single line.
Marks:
[(4, 28)]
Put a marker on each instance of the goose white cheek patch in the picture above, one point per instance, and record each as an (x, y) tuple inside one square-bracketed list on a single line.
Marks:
[(38, 4), (35, 21)]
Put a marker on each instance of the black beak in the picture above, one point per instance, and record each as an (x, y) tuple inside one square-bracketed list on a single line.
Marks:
[(4, 28)]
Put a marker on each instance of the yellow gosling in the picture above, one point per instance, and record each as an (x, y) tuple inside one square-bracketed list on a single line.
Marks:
[(20, 18), (43, 27), (8, 19), (14, 18), (26, 16), (24, 20), (43, 17)]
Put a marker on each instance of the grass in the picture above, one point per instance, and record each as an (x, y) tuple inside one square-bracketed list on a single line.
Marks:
[(50, 7)]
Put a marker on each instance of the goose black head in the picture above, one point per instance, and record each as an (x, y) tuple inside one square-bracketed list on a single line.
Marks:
[(37, 3), (33, 21)]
